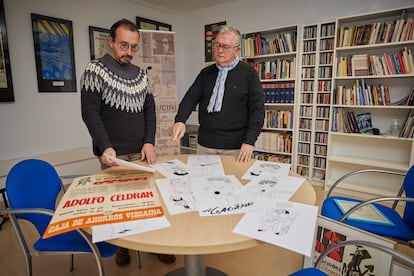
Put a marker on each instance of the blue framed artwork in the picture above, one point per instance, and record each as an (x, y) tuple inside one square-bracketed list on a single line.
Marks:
[(55, 57), (6, 84)]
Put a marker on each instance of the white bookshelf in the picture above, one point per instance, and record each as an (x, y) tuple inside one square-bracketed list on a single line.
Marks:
[(352, 151), (316, 67), (277, 70)]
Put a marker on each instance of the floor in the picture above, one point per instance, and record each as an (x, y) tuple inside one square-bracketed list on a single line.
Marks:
[(262, 260)]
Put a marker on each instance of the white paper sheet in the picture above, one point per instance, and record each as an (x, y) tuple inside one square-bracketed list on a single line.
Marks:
[(282, 223), (116, 230), (220, 195), (262, 168), (205, 165), (131, 165), (171, 168), (280, 187), (177, 195)]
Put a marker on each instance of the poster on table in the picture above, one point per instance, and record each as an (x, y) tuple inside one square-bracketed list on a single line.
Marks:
[(106, 198)]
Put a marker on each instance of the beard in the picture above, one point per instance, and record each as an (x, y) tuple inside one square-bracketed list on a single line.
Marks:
[(125, 59)]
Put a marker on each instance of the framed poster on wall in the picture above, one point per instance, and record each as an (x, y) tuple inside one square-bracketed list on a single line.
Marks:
[(148, 24), (55, 57), (99, 42), (210, 32), (6, 84)]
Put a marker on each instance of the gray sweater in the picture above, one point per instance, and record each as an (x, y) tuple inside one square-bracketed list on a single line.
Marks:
[(117, 106)]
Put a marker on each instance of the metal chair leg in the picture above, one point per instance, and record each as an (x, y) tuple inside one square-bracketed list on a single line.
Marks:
[(139, 259), (71, 263), (6, 205)]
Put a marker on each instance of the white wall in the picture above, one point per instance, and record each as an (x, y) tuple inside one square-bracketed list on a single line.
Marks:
[(41, 123), (38, 123), (256, 15)]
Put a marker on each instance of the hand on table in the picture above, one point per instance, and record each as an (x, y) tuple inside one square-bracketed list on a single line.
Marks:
[(148, 152), (245, 153)]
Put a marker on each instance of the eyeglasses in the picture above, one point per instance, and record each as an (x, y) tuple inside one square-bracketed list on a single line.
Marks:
[(125, 46), (225, 48)]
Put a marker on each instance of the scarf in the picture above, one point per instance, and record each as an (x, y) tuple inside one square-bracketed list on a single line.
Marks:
[(216, 98)]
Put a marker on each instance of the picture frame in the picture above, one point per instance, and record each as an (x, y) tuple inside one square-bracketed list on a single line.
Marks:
[(98, 42), (210, 32), (149, 24), (367, 214), (6, 83), (364, 122), (329, 232), (54, 52)]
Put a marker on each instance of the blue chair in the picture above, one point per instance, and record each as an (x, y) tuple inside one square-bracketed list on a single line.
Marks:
[(403, 226), (315, 271), (32, 187)]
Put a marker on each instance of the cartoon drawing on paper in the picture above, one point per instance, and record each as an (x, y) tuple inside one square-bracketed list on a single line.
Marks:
[(220, 195), (119, 228), (171, 168), (177, 194), (221, 190), (263, 188), (181, 194), (205, 165), (266, 168), (177, 170), (280, 187), (278, 220)]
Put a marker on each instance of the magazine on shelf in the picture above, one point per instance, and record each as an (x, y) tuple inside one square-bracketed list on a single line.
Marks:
[(364, 122)]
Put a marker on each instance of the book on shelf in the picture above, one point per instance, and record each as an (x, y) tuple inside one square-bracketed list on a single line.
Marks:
[(362, 93), (408, 128), (359, 65), (410, 98), (351, 123), (375, 33), (364, 122)]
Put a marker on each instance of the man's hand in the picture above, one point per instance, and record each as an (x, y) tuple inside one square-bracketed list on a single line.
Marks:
[(178, 131), (108, 157), (148, 152), (245, 153)]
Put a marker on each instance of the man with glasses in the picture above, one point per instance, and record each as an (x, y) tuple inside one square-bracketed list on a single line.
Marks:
[(118, 107), (230, 99)]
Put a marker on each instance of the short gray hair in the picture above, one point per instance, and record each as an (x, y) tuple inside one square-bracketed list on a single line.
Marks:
[(230, 29)]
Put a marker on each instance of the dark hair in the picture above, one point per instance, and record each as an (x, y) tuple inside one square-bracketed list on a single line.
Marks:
[(124, 23)]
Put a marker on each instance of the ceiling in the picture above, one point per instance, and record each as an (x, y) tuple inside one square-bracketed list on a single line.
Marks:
[(181, 5)]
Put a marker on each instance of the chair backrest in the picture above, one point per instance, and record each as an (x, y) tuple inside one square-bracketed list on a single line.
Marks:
[(409, 192), (33, 183)]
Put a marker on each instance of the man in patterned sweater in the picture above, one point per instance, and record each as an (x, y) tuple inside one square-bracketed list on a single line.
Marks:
[(118, 107)]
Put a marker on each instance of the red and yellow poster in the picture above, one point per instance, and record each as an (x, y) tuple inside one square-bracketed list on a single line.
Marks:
[(105, 198)]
